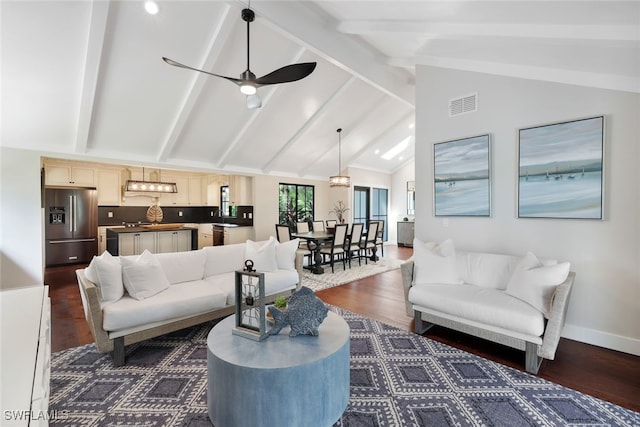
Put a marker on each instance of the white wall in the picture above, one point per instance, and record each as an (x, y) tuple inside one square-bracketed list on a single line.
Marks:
[(605, 303), (398, 208), (21, 234)]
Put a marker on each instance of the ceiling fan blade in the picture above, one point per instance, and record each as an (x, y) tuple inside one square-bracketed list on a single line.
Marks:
[(254, 101), (177, 64), (286, 74)]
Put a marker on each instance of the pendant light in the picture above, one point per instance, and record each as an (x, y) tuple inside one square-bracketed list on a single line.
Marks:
[(150, 186), (339, 180)]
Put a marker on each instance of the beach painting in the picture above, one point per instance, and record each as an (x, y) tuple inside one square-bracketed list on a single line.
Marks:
[(560, 170), (462, 184)]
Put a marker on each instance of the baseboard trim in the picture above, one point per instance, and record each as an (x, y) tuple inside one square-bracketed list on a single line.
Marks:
[(602, 339)]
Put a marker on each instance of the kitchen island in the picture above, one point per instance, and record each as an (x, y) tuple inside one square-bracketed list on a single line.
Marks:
[(154, 238)]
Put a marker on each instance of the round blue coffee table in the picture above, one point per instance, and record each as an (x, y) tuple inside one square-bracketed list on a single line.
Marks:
[(281, 381)]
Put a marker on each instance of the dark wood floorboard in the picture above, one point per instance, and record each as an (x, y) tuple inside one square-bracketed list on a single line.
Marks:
[(606, 374)]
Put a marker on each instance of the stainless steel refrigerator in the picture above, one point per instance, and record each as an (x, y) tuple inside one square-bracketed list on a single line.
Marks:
[(71, 225)]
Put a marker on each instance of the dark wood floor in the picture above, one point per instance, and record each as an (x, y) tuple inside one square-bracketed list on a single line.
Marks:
[(607, 374)]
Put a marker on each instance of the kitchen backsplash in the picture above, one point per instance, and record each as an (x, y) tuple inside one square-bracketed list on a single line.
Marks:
[(116, 215)]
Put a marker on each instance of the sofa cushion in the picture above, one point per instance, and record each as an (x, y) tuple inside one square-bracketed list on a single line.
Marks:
[(182, 266), (485, 269), (177, 301), (286, 254), (483, 305), (106, 272), (223, 259), (263, 254), (274, 282), (143, 277), (535, 283), (435, 263)]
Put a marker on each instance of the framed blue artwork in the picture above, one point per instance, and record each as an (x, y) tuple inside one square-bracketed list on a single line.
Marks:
[(560, 171), (462, 178)]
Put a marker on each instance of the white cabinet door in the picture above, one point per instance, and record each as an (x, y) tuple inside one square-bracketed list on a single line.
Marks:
[(183, 240), (109, 187), (195, 191), (136, 243), (181, 198), (174, 241), (70, 176)]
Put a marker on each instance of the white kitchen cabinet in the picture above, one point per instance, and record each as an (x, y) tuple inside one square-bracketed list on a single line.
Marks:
[(181, 198), (136, 243), (241, 190), (69, 176), (196, 197), (173, 241), (234, 235), (26, 354), (109, 187)]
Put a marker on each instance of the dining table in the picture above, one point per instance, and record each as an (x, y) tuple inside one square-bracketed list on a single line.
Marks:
[(315, 240)]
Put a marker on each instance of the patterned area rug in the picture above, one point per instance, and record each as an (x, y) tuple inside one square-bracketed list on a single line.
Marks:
[(397, 379), (340, 276)]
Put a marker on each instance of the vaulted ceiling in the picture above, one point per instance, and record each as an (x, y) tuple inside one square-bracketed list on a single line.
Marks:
[(86, 78)]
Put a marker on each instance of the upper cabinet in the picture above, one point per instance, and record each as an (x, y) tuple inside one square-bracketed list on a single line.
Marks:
[(241, 190), (109, 187), (69, 175)]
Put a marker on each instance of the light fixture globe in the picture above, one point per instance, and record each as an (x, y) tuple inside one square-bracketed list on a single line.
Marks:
[(339, 180)]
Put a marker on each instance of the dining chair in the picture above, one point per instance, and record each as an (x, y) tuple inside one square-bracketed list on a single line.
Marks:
[(283, 234), (353, 247), (380, 236), (369, 241), (318, 226), (331, 223), (337, 246), (303, 227)]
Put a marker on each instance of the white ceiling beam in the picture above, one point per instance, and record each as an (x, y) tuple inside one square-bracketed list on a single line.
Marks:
[(307, 24), (572, 77), (97, 32), (218, 40), (308, 123), (448, 30)]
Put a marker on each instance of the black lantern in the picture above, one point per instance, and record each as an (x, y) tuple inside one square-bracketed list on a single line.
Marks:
[(250, 307)]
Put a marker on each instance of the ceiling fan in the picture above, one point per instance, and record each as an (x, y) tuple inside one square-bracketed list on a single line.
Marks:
[(248, 82)]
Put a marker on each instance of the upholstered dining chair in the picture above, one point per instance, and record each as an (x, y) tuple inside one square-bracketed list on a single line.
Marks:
[(353, 248), (337, 246), (318, 226), (283, 234), (380, 236), (368, 243), (331, 223), (303, 227)]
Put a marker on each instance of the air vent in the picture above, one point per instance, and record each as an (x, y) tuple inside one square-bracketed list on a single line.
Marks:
[(463, 105)]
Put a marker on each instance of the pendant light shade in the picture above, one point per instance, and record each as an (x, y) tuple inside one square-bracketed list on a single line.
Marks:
[(339, 180)]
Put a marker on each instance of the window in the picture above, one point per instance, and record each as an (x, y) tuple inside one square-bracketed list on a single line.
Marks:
[(224, 200), (379, 207), (295, 203)]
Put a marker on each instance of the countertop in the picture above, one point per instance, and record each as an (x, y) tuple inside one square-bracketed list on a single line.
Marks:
[(225, 224), (145, 230)]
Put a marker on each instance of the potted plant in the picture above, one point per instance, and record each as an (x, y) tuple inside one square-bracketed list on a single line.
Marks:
[(339, 210), (280, 303)]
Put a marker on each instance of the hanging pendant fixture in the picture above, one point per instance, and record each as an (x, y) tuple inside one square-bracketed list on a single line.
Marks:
[(339, 180), (150, 186)]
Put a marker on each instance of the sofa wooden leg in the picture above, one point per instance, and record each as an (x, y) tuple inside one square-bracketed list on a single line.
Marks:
[(532, 360), (118, 352), (419, 325)]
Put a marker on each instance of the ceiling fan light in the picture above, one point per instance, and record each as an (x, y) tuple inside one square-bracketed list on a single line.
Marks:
[(248, 89), (151, 7)]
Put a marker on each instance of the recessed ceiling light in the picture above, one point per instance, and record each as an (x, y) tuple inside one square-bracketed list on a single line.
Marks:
[(151, 7), (411, 125), (377, 152)]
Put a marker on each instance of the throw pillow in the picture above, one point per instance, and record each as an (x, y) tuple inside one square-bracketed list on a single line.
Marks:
[(535, 283), (435, 263), (143, 277), (263, 254), (109, 278), (286, 254), (90, 272)]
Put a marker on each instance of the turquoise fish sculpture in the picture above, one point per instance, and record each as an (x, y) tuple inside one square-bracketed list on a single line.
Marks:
[(305, 312)]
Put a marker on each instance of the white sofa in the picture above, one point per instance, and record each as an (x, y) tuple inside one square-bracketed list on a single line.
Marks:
[(518, 301), (134, 298)]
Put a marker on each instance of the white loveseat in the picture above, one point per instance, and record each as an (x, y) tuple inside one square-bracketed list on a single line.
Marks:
[(134, 298), (518, 301)]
